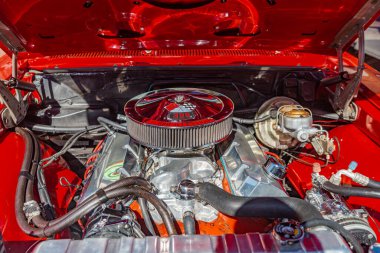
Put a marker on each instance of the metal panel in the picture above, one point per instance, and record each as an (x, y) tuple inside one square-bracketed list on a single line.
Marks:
[(318, 241)]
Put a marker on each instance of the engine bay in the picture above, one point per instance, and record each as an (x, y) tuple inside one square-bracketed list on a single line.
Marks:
[(203, 154)]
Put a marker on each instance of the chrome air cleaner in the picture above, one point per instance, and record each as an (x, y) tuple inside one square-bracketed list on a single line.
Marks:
[(179, 118)]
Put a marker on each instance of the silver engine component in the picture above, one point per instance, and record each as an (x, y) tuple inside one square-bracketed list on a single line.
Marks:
[(247, 169), (296, 121), (267, 131), (111, 223), (292, 125), (242, 158), (244, 165), (333, 207), (188, 116), (170, 169)]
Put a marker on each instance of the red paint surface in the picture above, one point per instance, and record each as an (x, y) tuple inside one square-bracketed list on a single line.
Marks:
[(50, 27), (183, 57)]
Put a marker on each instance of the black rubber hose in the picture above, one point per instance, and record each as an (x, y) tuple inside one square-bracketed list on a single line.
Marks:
[(146, 216), (29, 195), (125, 182), (106, 123), (189, 223), (38, 220), (24, 180), (337, 228), (71, 217), (373, 184), (351, 191), (264, 207), (129, 181), (159, 205), (251, 121), (31, 155)]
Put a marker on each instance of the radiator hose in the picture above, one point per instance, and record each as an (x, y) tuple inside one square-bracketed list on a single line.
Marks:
[(264, 207)]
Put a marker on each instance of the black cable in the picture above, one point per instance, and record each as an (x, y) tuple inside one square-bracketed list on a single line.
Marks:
[(251, 121), (56, 129), (337, 228), (41, 182), (106, 123), (23, 180), (69, 144), (327, 161), (113, 191), (351, 191)]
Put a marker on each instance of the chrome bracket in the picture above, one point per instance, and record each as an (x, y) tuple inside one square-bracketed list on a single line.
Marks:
[(342, 100)]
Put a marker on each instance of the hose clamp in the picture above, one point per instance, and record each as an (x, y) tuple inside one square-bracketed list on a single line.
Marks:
[(319, 180), (186, 190), (31, 209), (360, 179)]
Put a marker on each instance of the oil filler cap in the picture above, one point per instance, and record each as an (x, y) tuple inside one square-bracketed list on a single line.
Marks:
[(288, 232)]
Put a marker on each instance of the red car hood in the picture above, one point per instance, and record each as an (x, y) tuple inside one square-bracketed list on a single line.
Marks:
[(70, 26)]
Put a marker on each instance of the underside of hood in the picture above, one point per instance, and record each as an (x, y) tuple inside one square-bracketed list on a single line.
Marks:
[(55, 27)]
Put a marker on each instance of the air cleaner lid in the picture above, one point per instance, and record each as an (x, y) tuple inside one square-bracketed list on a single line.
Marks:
[(166, 112)]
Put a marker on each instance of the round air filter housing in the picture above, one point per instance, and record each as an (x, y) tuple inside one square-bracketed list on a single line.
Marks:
[(179, 118)]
